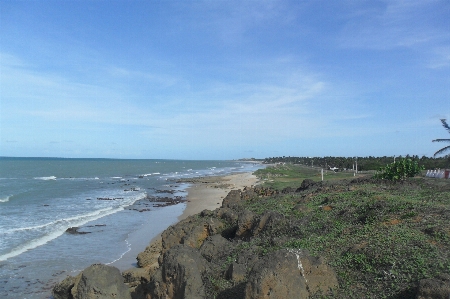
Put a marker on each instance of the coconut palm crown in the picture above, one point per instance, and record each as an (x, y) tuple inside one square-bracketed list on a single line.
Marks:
[(447, 148)]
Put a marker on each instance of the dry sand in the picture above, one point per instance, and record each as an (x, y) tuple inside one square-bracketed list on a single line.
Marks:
[(208, 192)]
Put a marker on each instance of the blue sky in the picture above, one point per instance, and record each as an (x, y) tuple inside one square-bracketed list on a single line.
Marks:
[(223, 79)]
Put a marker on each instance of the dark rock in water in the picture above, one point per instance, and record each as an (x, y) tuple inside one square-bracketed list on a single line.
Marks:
[(166, 191), (74, 231), (434, 288), (96, 225), (289, 274), (180, 275)]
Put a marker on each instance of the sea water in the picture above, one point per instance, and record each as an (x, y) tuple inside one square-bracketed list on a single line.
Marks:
[(106, 199)]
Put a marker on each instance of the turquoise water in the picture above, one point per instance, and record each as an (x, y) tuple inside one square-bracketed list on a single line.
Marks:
[(40, 198)]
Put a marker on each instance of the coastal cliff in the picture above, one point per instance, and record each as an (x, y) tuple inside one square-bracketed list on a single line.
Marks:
[(266, 243)]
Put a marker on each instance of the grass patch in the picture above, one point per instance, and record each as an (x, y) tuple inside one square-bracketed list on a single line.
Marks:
[(381, 239), (288, 175)]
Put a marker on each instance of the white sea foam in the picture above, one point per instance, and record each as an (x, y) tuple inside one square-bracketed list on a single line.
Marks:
[(57, 231), (5, 199), (68, 221), (54, 229), (121, 256), (45, 178)]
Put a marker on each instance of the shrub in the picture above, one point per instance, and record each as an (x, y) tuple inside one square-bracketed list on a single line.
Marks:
[(399, 170)]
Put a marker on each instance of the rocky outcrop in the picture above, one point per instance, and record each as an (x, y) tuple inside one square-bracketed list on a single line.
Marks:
[(245, 224), (63, 289), (219, 254), (434, 288), (215, 248), (190, 231), (150, 255), (180, 275), (288, 274), (95, 282)]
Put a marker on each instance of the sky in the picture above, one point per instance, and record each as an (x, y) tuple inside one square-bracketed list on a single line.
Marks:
[(223, 79)]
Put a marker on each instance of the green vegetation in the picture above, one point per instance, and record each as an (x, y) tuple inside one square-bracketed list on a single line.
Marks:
[(288, 175), (447, 148), (364, 163), (399, 170), (380, 237)]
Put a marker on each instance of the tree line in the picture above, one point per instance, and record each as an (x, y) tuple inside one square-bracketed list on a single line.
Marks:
[(364, 163)]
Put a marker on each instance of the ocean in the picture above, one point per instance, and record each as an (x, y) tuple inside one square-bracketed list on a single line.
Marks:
[(114, 207)]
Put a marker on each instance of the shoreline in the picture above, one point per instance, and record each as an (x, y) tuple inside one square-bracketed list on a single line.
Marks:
[(208, 192), (205, 193)]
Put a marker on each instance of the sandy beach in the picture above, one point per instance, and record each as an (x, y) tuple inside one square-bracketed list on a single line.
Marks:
[(205, 193), (208, 192)]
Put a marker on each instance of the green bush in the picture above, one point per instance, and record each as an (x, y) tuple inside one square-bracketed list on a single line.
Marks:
[(399, 170)]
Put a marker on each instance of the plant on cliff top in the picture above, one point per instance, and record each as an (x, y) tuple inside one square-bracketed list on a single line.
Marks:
[(399, 170), (446, 148)]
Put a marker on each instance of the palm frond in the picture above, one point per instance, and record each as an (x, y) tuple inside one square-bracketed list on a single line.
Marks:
[(445, 125), (442, 150), (441, 140)]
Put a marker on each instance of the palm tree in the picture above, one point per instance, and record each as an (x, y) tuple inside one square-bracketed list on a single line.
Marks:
[(447, 148)]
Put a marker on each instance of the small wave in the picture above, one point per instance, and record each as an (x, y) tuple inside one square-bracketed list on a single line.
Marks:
[(45, 178), (116, 177), (79, 179), (69, 221), (121, 256), (5, 199), (59, 221), (58, 231)]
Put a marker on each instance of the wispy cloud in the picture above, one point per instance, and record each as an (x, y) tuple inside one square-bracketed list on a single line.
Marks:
[(441, 58), (395, 24)]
